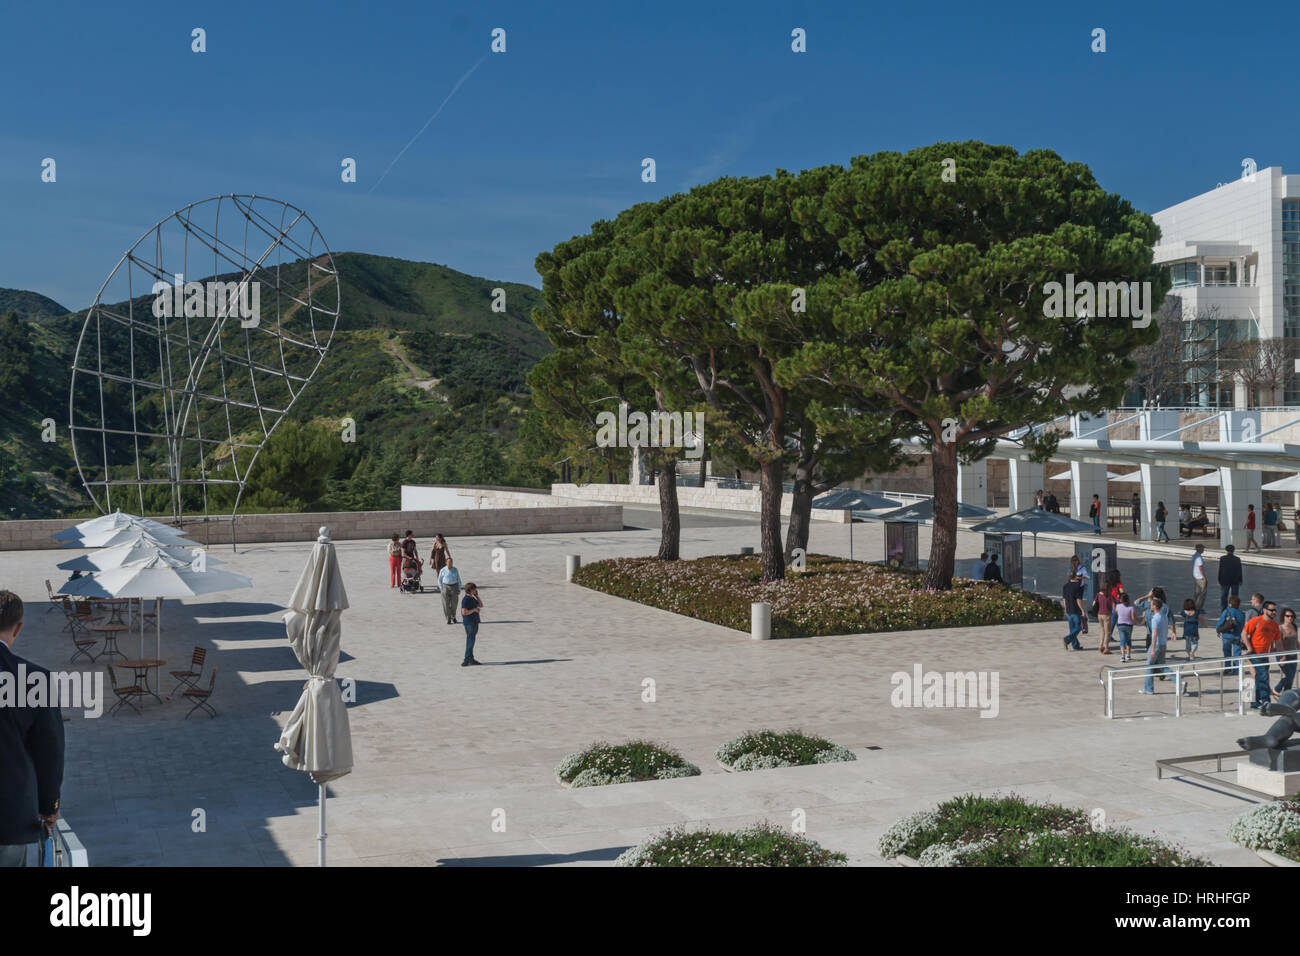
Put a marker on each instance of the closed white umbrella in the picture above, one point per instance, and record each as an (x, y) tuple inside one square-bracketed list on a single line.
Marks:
[(317, 738), (158, 577)]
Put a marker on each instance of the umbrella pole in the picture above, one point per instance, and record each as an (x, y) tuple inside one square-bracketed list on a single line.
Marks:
[(157, 620), (321, 835)]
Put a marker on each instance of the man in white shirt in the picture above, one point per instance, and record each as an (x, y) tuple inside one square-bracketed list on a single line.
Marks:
[(449, 581), (977, 568), (1199, 581)]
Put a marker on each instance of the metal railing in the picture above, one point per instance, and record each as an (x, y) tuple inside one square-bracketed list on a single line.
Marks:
[(60, 847), (1182, 672)]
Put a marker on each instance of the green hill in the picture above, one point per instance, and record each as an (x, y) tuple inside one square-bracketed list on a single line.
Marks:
[(433, 378), (29, 305)]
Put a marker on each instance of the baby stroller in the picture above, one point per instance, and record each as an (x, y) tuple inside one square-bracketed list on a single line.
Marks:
[(412, 571)]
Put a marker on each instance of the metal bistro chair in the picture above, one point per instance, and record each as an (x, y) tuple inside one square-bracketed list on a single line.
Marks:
[(124, 693), (189, 678), (200, 696), (79, 617), (55, 599)]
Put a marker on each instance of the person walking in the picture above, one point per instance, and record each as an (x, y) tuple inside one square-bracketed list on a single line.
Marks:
[(439, 554), (449, 586), (1250, 529), (1038, 498), (1290, 642), (31, 747), (1162, 515), (1074, 611), (1094, 512), (1261, 636), (1135, 506), (977, 567), (409, 548), (394, 561), (1229, 627), (1124, 627), (1270, 526), (1160, 628), (1229, 576), (1191, 627), (1105, 606), (1077, 567), (470, 605), (991, 570), (1199, 581)]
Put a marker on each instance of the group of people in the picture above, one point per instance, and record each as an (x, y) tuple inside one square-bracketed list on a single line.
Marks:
[(986, 568), (1248, 635), (404, 560)]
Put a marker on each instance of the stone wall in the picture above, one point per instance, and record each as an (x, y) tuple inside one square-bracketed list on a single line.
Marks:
[(357, 525)]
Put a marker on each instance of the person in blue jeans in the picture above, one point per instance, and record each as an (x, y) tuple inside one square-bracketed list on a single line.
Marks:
[(1074, 610), (1094, 512), (1161, 625), (1191, 627), (1230, 624), (470, 605)]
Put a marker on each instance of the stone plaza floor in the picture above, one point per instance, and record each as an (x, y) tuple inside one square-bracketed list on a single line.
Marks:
[(444, 752)]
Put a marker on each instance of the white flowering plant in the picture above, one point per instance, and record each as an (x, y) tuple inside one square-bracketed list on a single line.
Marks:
[(1271, 826), (764, 844), (603, 764), (768, 749)]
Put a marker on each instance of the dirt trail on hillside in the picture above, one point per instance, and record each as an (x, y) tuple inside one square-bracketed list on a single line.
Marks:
[(394, 348)]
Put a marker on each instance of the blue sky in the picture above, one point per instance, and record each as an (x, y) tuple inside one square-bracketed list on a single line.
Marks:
[(546, 138)]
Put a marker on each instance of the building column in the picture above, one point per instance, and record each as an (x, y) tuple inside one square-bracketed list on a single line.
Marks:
[(1158, 482), (972, 483), (1024, 478), (1239, 487), (1086, 479)]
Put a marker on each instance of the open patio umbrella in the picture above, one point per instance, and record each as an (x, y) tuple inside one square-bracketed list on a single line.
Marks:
[(850, 499), (142, 547), (924, 511), (110, 522), (157, 577), (1032, 521), (108, 537), (317, 738)]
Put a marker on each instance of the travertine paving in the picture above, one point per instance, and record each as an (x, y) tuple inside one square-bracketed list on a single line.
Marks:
[(443, 751)]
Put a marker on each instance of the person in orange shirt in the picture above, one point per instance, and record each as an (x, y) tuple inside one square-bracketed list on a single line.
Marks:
[(1261, 636)]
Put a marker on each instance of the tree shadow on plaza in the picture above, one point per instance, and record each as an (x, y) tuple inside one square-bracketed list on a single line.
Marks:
[(602, 855)]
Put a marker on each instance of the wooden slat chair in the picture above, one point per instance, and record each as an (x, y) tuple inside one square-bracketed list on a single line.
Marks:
[(79, 617), (200, 696), (189, 678), (55, 599), (81, 647), (124, 693)]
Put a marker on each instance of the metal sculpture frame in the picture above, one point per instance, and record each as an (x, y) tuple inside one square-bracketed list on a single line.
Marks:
[(193, 352)]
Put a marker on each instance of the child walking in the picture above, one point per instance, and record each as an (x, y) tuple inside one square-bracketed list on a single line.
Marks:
[(1191, 627)]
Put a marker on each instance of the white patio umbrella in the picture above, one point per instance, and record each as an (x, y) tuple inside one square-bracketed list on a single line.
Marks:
[(158, 577), (317, 738), (108, 537), (142, 547), (115, 521)]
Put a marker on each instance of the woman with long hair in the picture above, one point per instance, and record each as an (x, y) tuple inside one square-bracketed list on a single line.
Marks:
[(394, 560)]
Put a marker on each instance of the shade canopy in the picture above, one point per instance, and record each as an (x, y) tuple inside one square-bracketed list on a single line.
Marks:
[(1208, 480), (140, 548), (109, 537), (1032, 521), (110, 522), (851, 499), (1290, 483), (924, 511), (1110, 476)]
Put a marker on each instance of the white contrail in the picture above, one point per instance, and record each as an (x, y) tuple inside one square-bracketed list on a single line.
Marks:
[(426, 125)]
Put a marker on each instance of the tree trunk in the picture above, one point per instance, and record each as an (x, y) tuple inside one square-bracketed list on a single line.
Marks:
[(704, 467), (770, 521), (943, 541), (801, 497), (670, 520)]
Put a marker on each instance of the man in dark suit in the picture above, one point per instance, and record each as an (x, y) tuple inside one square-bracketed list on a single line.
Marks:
[(31, 747), (1229, 576)]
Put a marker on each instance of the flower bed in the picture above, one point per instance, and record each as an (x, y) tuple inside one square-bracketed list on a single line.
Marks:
[(602, 764), (972, 830), (767, 749), (832, 596), (761, 845), (1274, 827)]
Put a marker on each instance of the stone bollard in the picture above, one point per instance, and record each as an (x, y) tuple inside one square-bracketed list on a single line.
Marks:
[(571, 564), (760, 621)]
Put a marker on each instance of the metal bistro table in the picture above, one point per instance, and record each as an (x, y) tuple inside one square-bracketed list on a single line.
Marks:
[(142, 668), (110, 632)]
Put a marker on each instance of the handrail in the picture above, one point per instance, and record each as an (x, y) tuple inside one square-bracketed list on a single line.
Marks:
[(1109, 673)]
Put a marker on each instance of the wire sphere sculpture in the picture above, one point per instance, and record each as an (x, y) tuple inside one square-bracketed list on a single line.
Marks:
[(199, 342)]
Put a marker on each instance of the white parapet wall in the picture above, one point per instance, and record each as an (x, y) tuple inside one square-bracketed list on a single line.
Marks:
[(710, 497), (456, 498)]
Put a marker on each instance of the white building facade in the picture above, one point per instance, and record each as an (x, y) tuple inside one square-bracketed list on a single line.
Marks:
[(1234, 255)]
